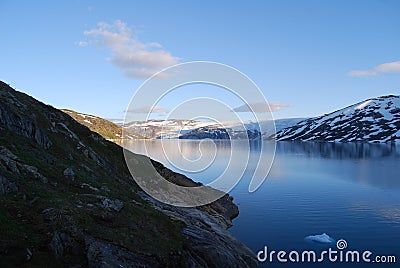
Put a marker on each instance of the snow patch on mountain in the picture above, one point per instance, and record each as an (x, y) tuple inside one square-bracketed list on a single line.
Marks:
[(191, 129), (374, 120)]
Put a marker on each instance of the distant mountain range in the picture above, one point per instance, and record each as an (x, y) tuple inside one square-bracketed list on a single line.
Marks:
[(374, 120), (160, 129), (190, 129), (215, 133)]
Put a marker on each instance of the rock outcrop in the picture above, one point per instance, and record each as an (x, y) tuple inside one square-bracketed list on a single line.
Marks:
[(20, 123), (6, 186), (209, 242)]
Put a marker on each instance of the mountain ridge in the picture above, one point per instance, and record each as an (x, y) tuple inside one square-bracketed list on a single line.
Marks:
[(104, 127), (374, 120), (191, 129)]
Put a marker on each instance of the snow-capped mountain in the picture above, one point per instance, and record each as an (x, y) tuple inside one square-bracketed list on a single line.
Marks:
[(188, 129), (374, 120), (162, 129), (234, 131), (191, 129), (218, 133)]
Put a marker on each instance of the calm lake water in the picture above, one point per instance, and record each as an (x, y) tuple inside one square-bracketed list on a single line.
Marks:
[(349, 191)]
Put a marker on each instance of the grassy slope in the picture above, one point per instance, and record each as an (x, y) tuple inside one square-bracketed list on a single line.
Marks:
[(137, 227), (105, 128)]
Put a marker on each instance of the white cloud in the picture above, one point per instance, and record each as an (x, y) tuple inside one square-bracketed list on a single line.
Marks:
[(82, 43), (148, 109), (135, 58), (260, 107), (389, 67)]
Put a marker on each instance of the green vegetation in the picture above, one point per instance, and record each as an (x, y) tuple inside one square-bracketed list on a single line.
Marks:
[(105, 128), (30, 216), (67, 199)]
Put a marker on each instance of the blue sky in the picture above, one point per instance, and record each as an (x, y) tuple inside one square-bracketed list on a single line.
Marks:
[(310, 57)]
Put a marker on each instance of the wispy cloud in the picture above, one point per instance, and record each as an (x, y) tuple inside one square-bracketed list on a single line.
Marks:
[(82, 43), (260, 107), (135, 58), (147, 109), (389, 67)]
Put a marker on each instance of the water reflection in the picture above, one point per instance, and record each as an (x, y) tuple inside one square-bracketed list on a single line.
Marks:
[(367, 164), (375, 165), (348, 190), (340, 150)]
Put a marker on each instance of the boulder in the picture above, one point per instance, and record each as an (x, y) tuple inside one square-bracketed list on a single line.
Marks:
[(69, 174), (6, 186), (108, 204), (101, 254)]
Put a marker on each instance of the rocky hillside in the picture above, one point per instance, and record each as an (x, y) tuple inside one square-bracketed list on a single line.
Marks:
[(374, 120), (105, 128), (68, 200)]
